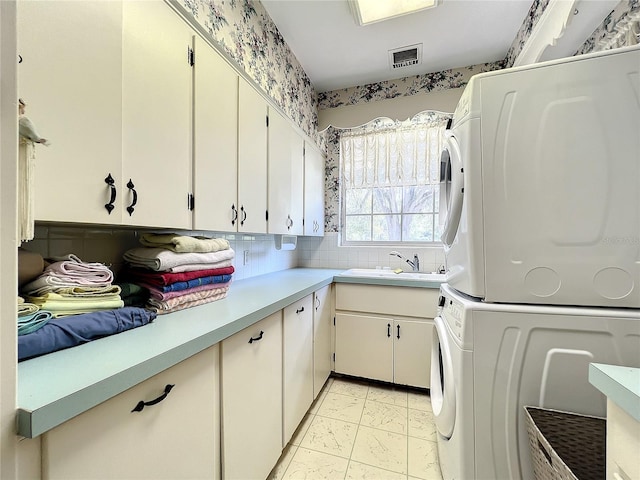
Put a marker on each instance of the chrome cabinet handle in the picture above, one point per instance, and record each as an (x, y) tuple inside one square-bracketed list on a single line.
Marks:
[(141, 404)]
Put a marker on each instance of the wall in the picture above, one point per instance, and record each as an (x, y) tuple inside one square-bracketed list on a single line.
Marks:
[(243, 31), (107, 245)]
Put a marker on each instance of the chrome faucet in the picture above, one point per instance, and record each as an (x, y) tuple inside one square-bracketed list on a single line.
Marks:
[(415, 265)]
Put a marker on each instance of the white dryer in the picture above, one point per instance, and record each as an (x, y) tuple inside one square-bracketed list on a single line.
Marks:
[(490, 360), (541, 183)]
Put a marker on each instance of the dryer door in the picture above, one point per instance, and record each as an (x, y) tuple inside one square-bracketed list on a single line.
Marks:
[(443, 392), (451, 188)]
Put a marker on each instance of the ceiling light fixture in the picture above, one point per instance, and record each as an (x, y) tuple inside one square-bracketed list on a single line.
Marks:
[(372, 11)]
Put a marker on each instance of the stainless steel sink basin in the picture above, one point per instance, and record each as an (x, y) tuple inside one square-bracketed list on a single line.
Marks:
[(380, 273)]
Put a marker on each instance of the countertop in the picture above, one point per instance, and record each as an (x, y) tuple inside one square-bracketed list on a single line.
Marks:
[(56, 387), (620, 384)]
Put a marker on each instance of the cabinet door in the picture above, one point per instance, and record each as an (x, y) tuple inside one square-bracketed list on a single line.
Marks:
[(156, 109), (364, 346), (174, 439), (215, 145), (297, 364), (285, 190), (252, 160), (321, 338), (313, 191), (412, 352), (70, 79), (252, 400)]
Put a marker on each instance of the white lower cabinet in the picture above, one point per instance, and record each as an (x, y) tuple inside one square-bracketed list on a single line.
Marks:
[(251, 387), (384, 333), (297, 357), (321, 338), (364, 346), (177, 438)]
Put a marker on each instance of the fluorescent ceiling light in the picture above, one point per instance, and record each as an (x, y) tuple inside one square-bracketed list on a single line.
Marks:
[(372, 11)]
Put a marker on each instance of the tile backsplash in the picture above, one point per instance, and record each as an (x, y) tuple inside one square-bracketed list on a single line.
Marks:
[(326, 252), (107, 245)]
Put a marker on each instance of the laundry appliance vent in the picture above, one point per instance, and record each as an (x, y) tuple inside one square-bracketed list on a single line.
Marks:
[(405, 56)]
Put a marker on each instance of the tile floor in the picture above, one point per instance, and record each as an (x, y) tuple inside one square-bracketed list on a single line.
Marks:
[(368, 431)]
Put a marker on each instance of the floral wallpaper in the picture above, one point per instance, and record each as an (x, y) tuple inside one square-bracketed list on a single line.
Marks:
[(245, 32), (407, 86), (607, 27), (530, 21)]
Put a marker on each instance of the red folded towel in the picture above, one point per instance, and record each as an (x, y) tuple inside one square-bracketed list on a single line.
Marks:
[(166, 278)]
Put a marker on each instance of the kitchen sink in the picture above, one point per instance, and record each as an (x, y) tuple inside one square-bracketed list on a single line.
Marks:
[(383, 273)]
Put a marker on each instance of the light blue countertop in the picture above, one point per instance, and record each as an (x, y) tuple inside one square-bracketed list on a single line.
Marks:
[(620, 384), (56, 387)]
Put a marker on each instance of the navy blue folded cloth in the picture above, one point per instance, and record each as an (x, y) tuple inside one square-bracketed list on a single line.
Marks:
[(196, 282), (74, 330)]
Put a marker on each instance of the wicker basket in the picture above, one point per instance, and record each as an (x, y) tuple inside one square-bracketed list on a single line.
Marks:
[(566, 446)]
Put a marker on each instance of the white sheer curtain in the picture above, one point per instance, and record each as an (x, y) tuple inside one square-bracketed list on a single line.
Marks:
[(386, 153)]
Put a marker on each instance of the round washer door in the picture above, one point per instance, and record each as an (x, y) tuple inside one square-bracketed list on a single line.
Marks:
[(443, 392), (451, 188)]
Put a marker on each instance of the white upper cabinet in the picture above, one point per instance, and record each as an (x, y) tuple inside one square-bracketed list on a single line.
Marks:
[(286, 165), (313, 191), (215, 140), (70, 78), (252, 160), (156, 116)]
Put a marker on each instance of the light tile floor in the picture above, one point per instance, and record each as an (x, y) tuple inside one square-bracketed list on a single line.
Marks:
[(365, 431)]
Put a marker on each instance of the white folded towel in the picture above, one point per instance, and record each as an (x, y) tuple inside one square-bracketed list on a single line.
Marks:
[(162, 260), (183, 244)]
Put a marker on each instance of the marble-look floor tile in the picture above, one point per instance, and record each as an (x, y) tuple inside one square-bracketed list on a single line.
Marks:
[(423, 459), (385, 416), (342, 407), (323, 393), (419, 401), (349, 387), (422, 425), (386, 450), (360, 471), (388, 395), (302, 429), (283, 462), (329, 435), (310, 465)]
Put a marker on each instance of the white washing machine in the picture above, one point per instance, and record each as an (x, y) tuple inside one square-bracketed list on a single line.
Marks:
[(541, 183), (490, 360)]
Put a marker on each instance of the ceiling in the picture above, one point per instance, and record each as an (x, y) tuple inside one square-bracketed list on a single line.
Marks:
[(336, 52)]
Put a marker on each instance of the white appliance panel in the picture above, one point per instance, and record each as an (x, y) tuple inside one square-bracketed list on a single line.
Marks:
[(554, 153)]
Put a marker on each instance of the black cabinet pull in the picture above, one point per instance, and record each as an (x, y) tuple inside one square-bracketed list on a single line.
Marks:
[(289, 222), (398, 331), (317, 303), (131, 187), (259, 337), (141, 404), (388, 329), (301, 309), (244, 215), (112, 186), (235, 214)]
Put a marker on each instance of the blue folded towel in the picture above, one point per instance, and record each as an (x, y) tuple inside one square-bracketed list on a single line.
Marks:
[(32, 322), (65, 332)]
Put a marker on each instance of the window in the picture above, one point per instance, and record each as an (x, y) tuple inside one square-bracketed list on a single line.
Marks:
[(390, 180)]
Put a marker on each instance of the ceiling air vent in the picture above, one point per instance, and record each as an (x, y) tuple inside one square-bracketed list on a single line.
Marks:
[(405, 56)]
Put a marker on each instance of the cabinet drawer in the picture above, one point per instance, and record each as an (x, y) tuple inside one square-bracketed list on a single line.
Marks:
[(398, 301), (174, 439)]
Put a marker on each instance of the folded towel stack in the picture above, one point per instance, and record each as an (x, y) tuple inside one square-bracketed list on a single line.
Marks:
[(70, 286), (180, 271)]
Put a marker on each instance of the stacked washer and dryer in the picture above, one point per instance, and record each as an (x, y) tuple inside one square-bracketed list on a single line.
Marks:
[(541, 199)]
